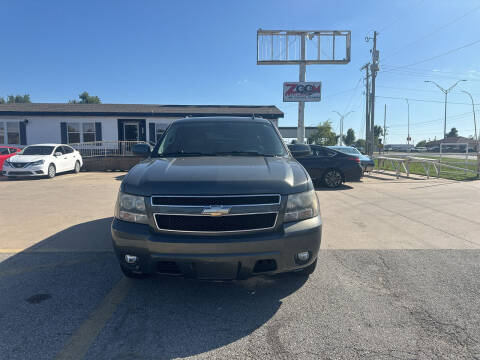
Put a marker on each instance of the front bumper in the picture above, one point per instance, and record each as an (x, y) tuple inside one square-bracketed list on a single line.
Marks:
[(37, 170), (217, 257)]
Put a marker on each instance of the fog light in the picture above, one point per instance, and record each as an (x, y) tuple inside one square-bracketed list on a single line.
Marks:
[(303, 256), (130, 259)]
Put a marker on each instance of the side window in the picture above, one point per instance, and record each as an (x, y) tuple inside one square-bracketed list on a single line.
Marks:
[(13, 151), (319, 152), (3, 151), (67, 149), (330, 153), (59, 149)]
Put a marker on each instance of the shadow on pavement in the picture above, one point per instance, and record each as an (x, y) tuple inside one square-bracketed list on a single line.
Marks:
[(49, 290), (319, 187)]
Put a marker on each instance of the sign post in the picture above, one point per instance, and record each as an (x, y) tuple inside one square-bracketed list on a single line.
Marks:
[(293, 47)]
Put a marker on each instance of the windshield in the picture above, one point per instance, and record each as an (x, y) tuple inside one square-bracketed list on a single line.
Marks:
[(347, 150), (212, 138), (38, 150)]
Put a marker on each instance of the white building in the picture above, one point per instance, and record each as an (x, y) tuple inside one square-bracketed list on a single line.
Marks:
[(25, 124)]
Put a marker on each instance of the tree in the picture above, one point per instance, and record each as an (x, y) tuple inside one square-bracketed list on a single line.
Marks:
[(324, 135), (349, 139), (453, 132), (422, 143), (16, 99), (360, 144), (85, 98)]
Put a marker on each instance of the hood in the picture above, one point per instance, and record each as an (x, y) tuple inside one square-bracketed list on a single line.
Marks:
[(27, 158), (216, 175), (364, 157)]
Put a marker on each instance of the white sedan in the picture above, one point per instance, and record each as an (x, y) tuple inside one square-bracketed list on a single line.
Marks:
[(43, 159)]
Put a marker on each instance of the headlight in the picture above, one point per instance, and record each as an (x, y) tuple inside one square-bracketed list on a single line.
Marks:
[(301, 206), (7, 163), (39, 162), (131, 208)]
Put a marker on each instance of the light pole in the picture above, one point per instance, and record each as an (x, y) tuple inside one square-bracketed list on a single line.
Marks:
[(341, 123), (474, 118), (408, 124), (445, 91)]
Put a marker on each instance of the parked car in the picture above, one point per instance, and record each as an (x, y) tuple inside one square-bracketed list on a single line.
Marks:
[(365, 161), (43, 160), (327, 166), (217, 198), (7, 152)]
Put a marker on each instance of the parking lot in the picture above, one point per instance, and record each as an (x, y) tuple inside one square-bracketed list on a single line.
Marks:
[(398, 277)]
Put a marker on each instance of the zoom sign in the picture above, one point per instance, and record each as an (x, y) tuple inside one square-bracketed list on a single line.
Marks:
[(302, 91)]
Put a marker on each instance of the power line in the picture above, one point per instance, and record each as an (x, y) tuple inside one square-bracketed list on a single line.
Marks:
[(401, 16), (417, 90), (422, 100), (406, 72), (439, 55), (434, 31)]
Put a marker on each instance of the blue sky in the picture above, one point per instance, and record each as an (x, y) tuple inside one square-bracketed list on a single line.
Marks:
[(204, 52)]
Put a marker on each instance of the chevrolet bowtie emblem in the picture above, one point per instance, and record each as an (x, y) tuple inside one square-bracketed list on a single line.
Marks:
[(216, 211)]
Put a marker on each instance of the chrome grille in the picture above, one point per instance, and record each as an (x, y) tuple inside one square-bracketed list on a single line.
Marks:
[(198, 214)]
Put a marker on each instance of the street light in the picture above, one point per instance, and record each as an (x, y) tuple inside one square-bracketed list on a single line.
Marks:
[(446, 94), (474, 119), (341, 123), (408, 126)]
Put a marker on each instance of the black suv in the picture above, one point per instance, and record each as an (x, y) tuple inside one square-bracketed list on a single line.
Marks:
[(217, 198)]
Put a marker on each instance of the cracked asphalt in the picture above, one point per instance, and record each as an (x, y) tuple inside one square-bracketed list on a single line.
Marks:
[(398, 277)]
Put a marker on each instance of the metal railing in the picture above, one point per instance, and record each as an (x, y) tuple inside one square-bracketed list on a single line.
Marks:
[(428, 164), (106, 148)]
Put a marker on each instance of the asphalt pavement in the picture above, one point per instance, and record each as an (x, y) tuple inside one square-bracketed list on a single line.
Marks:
[(398, 277)]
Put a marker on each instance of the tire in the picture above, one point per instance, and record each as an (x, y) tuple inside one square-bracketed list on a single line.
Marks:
[(52, 171), (332, 179), (76, 169), (133, 275)]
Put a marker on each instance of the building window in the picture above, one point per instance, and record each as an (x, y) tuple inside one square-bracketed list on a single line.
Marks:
[(73, 131), (2, 132), (88, 132), (159, 130), (10, 132), (13, 132)]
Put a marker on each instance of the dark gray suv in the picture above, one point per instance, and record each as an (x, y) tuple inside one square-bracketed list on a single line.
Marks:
[(217, 198)]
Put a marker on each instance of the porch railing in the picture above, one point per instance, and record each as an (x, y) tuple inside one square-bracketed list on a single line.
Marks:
[(106, 148)]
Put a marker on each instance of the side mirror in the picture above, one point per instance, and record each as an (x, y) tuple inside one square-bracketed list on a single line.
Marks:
[(141, 150), (58, 153)]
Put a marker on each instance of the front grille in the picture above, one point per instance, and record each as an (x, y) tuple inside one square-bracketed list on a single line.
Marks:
[(200, 223), (18, 173), (215, 200), (18, 165)]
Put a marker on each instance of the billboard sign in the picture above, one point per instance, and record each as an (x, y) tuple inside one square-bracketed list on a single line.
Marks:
[(302, 91)]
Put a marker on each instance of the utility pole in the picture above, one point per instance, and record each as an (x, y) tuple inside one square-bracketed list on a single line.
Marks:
[(374, 69), (445, 91), (367, 108), (341, 124), (384, 126), (408, 124), (301, 104)]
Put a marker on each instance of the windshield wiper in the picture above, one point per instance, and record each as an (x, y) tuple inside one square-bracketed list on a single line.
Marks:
[(245, 153)]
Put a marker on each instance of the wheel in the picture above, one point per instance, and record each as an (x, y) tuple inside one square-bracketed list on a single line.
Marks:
[(332, 179), (309, 270), (133, 275), (76, 169), (51, 171)]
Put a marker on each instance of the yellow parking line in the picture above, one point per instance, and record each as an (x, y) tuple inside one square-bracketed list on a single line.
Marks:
[(79, 343)]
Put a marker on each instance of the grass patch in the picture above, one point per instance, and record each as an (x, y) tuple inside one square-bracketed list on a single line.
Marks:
[(445, 173)]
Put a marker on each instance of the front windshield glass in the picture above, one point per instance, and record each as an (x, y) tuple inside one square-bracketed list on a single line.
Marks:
[(213, 138), (348, 150), (37, 150)]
